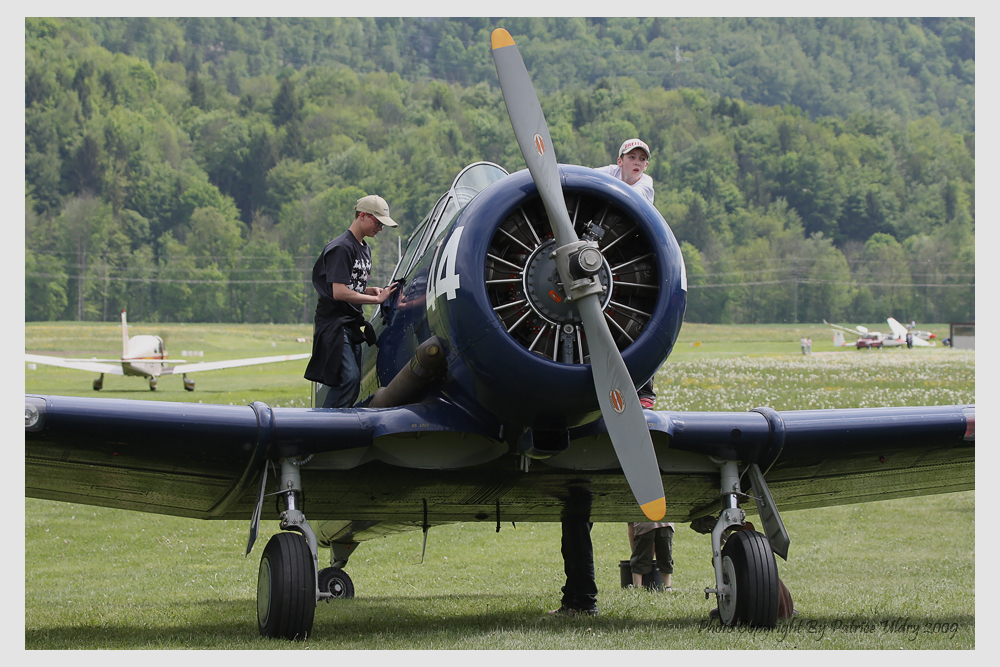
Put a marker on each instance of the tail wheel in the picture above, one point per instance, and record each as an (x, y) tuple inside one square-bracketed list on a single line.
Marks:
[(286, 588), (749, 569), (334, 580), (527, 294)]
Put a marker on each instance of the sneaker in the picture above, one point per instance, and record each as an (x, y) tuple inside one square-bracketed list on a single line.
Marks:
[(569, 611), (647, 403)]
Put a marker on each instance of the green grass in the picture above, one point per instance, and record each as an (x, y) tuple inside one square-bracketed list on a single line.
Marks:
[(886, 575)]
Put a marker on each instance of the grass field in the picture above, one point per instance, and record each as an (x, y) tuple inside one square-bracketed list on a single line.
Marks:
[(896, 574)]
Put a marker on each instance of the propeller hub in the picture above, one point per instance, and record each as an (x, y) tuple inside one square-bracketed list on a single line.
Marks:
[(586, 263), (545, 291)]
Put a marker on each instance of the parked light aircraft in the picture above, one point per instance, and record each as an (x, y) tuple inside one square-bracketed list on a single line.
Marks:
[(899, 337), (909, 337), (925, 335), (146, 356), (502, 388)]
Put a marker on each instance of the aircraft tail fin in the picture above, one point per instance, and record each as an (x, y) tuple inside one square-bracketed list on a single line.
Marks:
[(838, 338), (124, 336)]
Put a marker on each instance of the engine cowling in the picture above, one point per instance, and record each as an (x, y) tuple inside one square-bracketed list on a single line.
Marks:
[(516, 346)]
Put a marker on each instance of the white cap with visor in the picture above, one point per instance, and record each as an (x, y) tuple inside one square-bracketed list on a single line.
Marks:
[(631, 144), (376, 206)]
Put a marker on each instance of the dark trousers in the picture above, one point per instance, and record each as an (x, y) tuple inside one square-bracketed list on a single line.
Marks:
[(646, 390), (345, 392), (580, 591)]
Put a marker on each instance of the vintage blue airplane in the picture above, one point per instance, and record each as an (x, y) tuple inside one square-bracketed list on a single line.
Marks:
[(502, 384)]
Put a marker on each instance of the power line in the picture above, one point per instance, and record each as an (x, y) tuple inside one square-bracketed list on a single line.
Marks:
[(831, 282), (122, 279)]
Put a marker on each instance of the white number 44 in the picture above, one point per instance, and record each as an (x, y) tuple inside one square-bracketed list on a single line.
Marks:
[(442, 278)]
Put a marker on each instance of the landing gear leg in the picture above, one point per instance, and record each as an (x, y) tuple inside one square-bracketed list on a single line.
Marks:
[(99, 383), (287, 580), (188, 384), (746, 575), (152, 384)]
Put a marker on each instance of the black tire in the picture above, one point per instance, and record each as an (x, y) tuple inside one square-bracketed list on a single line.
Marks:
[(750, 570), (336, 581), (286, 588)]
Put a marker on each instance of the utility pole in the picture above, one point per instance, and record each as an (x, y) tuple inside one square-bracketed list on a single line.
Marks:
[(81, 258), (104, 317), (795, 292)]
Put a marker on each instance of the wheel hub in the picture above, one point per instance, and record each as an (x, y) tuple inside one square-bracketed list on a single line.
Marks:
[(727, 600), (264, 591)]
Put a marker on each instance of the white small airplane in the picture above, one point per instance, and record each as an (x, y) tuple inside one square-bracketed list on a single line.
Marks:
[(869, 339), (926, 335), (146, 356), (908, 336)]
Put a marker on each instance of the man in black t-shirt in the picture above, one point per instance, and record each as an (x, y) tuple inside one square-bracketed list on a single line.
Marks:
[(340, 276)]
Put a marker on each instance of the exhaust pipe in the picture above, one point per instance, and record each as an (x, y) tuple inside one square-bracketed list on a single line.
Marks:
[(427, 363)]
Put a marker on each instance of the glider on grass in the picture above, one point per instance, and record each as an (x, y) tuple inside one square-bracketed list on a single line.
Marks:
[(502, 388), (146, 356), (899, 337)]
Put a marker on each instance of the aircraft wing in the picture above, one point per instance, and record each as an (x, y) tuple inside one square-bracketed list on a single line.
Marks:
[(94, 366), (896, 327), (818, 458), (199, 460), (367, 469), (233, 363), (901, 332), (855, 331)]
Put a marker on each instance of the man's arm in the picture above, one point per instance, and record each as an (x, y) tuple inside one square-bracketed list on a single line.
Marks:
[(342, 292)]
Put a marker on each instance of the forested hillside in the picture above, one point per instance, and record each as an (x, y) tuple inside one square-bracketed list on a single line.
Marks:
[(191, 169)]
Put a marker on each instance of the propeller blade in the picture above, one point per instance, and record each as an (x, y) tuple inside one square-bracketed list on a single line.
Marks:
[(622, 413), (532, 133), (616, 393)]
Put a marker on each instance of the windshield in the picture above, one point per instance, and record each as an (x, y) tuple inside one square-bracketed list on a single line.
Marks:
[(474, 179), (470, 182)]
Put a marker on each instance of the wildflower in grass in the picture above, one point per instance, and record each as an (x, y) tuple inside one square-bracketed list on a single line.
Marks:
[(818, 382)]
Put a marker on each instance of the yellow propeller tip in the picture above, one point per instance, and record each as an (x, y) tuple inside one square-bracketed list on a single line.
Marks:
[(655, 509), (500, 39)]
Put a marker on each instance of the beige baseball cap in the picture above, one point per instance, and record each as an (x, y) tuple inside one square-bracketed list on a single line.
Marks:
[(376, 206), (632, 144)]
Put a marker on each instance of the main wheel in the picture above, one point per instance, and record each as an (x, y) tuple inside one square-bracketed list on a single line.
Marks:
[(336, 581), (749, 569), (286, 588)]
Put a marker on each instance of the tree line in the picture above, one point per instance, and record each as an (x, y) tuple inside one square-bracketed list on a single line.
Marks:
[(191, 170)]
